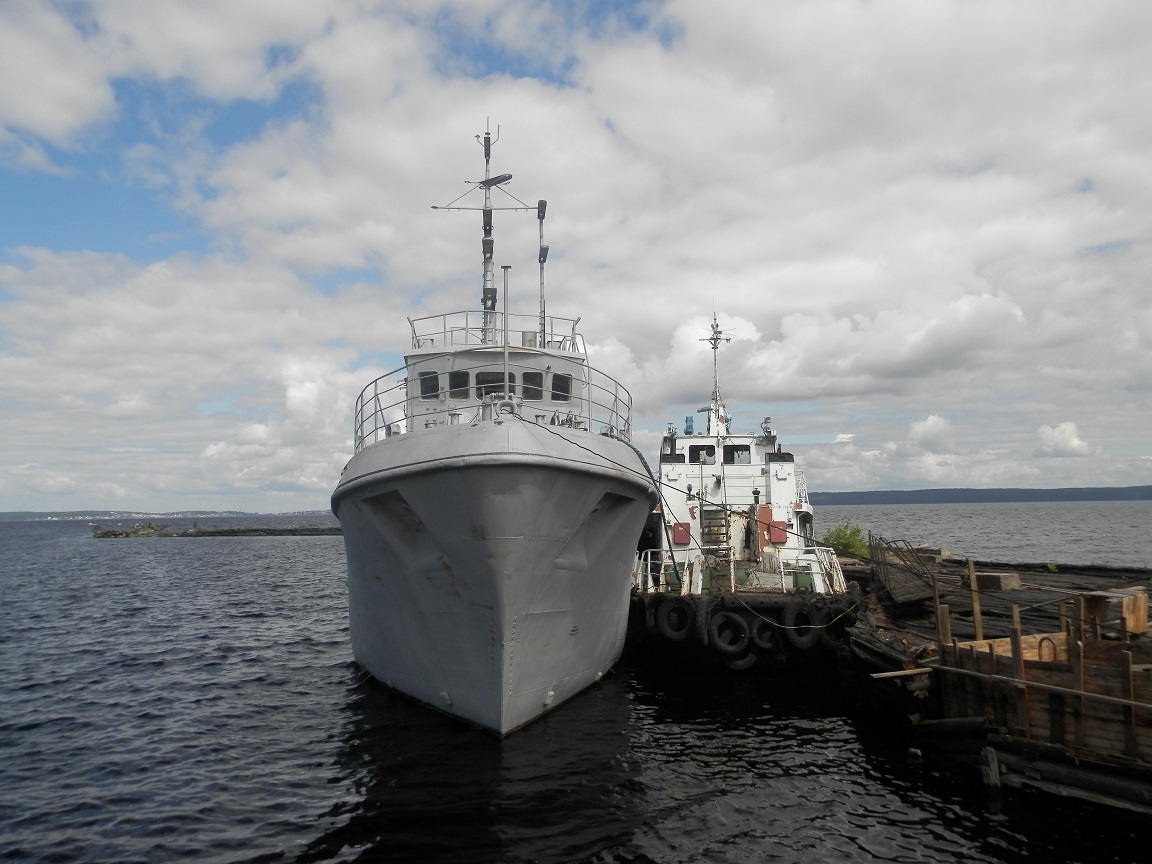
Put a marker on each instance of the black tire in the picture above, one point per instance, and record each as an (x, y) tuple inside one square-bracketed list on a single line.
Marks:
[(728, 633), (746, 662), (763, 633), (650, 609), (674, 619), (804, 623), (831, 634)]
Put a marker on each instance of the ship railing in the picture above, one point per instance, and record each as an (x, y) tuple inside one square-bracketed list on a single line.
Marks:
[(459, 329), (653, 569), (827, 567), (393, 405), (801, 488), (657, 568)]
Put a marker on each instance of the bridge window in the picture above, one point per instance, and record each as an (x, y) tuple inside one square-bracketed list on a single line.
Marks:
[(533, 386), (429, 385), (458, 384), (492, 384), (561, 387), (737, 454), (702, 454)]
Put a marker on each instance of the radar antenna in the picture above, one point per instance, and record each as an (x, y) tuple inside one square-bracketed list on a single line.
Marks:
[(714, 339), (488, 295)]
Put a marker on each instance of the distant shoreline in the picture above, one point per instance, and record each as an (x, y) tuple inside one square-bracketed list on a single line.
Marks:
[(983, 496), (881, 496), (89, 515)]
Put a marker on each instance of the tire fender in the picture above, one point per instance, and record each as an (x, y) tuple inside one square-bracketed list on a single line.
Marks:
[(804, 623), (674, 619), (763, 633), (728, 633)]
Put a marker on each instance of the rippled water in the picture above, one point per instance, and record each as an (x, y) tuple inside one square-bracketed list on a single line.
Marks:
[(1112, 533), (195, 699)]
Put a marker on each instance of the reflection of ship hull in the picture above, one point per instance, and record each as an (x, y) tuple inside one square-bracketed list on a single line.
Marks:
[(489, 563)]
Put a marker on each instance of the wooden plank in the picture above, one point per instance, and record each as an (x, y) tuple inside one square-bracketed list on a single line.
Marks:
[(1078, 685), (1037, 646), (1056, 713), (902, 673), (943, 624), (996, 580), (999, 709), (1104, 652), (974, 589), (1136, 612), (1019, 674), (1129, 710)]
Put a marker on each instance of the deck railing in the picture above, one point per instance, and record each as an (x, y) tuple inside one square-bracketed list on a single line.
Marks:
[(655, 566), (457, 329), (598, 403), (801, 488)]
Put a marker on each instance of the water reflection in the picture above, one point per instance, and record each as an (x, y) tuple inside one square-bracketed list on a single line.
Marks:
[(429, 788)]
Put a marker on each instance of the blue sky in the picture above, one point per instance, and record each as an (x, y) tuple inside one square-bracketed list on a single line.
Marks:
[(924, 223)]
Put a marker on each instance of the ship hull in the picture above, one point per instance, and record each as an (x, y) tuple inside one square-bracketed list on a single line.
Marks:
[(489, 565)]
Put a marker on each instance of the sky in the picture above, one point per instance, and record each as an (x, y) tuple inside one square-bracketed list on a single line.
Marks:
[(924, 224)]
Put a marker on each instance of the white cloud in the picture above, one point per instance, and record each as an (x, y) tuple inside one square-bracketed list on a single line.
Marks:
[(932, 433), (923, 222), (1061, 440)]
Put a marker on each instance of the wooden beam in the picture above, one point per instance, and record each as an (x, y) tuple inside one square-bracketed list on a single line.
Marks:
[(974, 588)]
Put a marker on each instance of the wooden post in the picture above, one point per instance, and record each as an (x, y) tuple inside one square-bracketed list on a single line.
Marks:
[(990, 767), (999, 711), (980, 690), (1129, 710), (943, 626), (1018, 673), (1076, 652), (936, 609), (974, 589)]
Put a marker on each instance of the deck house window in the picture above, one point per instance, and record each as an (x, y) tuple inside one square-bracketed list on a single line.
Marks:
[(561, 387), (458, 384), (492, 384), (737, 454), (429, 385), (702, 454), (533, 386)]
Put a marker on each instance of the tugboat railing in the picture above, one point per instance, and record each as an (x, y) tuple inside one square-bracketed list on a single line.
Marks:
[(801, 488), (654, 566)]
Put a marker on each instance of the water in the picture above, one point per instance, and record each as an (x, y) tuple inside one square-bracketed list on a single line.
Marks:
[(1112, 533), (195, 700)]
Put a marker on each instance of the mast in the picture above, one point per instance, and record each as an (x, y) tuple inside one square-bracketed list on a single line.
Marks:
[(488, 296), (716, 409), (541, 207)]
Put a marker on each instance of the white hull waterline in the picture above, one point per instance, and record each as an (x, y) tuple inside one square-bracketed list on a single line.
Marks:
[(491, 515)]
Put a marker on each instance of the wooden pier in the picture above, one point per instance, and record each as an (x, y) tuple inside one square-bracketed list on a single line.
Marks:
[(1042, 674)]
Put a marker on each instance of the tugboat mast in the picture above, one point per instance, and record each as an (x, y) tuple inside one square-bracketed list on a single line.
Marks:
[(716, 409)]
